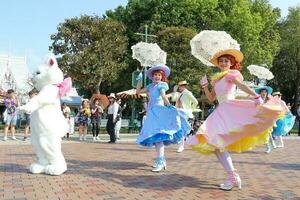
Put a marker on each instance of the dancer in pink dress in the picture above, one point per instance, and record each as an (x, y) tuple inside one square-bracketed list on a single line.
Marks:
[(235, 125)]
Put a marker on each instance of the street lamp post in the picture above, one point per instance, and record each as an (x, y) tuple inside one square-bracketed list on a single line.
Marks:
[(146, 35), (133, 105)]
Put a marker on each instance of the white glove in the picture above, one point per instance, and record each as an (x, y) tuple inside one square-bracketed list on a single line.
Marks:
[(258, 100), (203, 81), (24, 108)]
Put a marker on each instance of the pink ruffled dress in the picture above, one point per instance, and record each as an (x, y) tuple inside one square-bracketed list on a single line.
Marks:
[(235, 125)]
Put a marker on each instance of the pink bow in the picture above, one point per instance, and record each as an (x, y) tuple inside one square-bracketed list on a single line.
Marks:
[(64, 87)]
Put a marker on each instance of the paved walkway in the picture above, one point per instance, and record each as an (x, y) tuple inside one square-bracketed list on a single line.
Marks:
[(97, 170), (125, 137)]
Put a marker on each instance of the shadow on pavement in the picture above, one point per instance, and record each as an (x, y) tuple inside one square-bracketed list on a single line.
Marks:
[(13, 168), (22, 154), (113, 165), (281, 166), (156, 181), (150, 180)]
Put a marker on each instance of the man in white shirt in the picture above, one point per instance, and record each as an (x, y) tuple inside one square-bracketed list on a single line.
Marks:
[(112, 117), (186, 101), (66, 112), (119, 118)]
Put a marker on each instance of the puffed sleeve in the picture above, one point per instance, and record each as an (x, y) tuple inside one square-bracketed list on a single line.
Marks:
[(232, 74), (163, 86)]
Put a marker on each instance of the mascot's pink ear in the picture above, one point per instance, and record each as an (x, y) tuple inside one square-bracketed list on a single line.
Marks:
[(51, 62)]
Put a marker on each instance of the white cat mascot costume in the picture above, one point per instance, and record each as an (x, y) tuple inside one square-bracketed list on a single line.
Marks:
[(47, 122)]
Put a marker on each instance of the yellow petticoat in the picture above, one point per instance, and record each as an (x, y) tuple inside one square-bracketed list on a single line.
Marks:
[(244, 144), (282, 115)]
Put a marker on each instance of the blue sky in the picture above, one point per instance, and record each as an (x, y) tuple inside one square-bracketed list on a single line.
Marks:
[(284, 5), (26, 25)]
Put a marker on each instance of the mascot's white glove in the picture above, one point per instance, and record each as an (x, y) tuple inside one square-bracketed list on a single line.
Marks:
[(25, 108)]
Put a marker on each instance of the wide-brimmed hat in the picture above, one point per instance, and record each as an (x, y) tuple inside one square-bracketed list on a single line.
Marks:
[(238, 55), (269, 89), (182, 83), (112, 95), (164, 68), (276, 93)]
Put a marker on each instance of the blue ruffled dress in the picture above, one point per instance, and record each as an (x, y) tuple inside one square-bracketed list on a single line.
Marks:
[(162, 124), (284, 125)]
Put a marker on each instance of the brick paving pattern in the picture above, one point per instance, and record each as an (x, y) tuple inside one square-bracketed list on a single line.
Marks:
[(122, 171)]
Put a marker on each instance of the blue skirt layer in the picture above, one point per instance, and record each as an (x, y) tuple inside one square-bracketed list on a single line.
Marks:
[(283, 126), (289, 122), (163, 124)]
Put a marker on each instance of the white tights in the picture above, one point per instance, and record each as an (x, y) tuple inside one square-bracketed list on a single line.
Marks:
[(225, 159), (160, 149)]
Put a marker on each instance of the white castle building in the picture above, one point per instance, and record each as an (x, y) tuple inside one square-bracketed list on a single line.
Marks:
[(14, 74)]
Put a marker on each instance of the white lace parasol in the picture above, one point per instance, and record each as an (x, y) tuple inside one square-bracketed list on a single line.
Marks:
[(260, 72), (149, 54), (207, 43)]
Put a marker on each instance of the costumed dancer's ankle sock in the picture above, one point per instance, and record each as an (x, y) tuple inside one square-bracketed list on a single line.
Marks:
[(160, 149), (281, 141), (217, 153), (182, 143), (226, 161), (272, 141)]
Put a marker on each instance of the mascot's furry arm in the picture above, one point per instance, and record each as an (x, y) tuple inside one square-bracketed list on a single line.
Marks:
[(48, 95)]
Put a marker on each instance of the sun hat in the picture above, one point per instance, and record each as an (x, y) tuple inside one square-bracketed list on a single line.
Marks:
[(164, 68), (269, 89), (182, 83), (238, 55)]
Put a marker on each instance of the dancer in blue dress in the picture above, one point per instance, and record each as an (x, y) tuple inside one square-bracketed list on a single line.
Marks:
[(164, 124), (265, 93), (285, 123)]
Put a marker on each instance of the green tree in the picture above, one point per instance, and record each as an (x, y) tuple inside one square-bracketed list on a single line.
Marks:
[(184, 66), (284, 76), (158, 13), (251, 23), (286, 67), (92, 50)]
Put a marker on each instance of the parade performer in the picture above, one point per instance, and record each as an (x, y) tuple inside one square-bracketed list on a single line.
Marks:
[(164, 124), (47, 123), (265, 93), (235, 125), (185, 101), (285, 122)]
